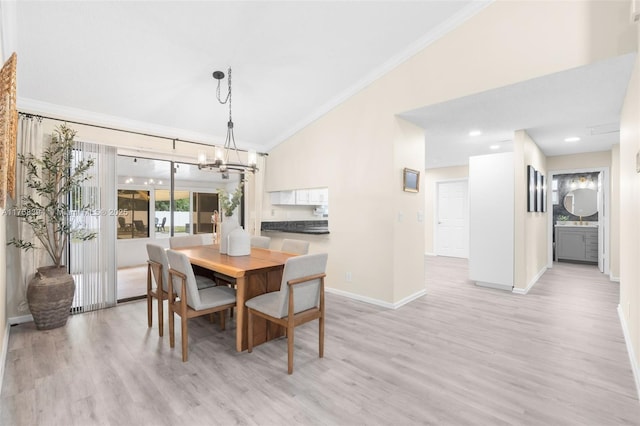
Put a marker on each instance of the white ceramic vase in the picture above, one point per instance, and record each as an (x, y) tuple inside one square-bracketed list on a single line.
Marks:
[(239, 243), (226, 227)]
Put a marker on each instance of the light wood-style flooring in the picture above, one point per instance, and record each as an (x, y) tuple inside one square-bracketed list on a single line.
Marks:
[(461, 355)]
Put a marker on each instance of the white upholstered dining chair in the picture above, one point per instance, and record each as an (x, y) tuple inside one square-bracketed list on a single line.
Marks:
[(186, 241), (295, 246), (260, 241), (300, 300), (158, 271), (189, 302), (204, 277)]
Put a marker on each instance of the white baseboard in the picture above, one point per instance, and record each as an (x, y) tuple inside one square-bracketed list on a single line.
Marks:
[(614, 279), (505, 287), (632, 356), (533, 281), (430, 254), (377, 302), (20, 320), (3, 354)]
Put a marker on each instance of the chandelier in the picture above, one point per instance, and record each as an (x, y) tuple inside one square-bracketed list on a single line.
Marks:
[(227, 158)]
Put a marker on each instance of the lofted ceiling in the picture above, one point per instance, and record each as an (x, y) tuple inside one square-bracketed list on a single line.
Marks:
[(147, 66)]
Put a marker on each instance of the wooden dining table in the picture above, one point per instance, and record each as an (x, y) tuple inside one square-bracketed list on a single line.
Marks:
[(255, 274)]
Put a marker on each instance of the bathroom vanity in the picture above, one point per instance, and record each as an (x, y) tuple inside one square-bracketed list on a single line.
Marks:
[(577, 243)]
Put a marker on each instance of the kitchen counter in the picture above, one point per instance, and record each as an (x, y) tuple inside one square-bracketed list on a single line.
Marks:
[(314, 227)]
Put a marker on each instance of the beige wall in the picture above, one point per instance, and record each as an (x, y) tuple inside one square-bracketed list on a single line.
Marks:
[(431, 179), (530, 228), (349, 148), (579, 161), (629, 217), (614, 216)]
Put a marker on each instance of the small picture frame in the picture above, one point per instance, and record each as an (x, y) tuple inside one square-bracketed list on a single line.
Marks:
[(539, 193), (531, 193), (411, 180)]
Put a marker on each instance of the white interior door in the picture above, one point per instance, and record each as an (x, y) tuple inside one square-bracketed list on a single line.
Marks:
[(452, 219)]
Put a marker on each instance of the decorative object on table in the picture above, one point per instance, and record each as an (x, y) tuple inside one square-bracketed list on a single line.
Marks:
[(221, 161), (410, 180), (8, 129), (51, 214), (228, 204), (239, 242)]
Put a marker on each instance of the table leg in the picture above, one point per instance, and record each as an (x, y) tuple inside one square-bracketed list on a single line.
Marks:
[(241, 326)]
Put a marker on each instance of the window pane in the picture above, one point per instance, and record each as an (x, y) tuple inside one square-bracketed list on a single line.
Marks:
[(133, 213)]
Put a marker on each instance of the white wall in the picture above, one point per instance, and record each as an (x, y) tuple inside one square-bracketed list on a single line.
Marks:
[(491, 220)]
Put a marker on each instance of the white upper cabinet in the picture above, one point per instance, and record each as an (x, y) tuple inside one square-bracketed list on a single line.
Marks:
[(319, 197), (301, 197), (283, 197)]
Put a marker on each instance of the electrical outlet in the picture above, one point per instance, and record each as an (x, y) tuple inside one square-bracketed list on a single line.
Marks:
[(348, 277)]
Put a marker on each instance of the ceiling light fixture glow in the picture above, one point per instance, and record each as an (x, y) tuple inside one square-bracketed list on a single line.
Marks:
[(572, 139), (494, 147), (475, 133)]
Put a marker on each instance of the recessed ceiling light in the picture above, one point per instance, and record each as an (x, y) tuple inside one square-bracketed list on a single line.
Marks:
[(572, 139), (494, 147), (475, 133)]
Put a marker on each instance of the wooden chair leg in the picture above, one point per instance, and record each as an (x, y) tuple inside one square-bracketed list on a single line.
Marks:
[(149, 308), (160, 315), (149, 311), (184, 332), (222, 320), (172, 332), (290, 347), (212, 318), (249, 331), (321, 336)]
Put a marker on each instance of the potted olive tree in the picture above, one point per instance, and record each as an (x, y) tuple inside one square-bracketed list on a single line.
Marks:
[(52, 214)]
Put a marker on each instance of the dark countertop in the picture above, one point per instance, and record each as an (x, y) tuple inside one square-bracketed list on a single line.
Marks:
[(313, 227)]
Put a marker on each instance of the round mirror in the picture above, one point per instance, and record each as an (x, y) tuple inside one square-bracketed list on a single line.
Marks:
[(581, 202)]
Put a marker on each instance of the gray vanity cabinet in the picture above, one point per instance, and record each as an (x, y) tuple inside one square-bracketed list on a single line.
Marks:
[(579, 243)]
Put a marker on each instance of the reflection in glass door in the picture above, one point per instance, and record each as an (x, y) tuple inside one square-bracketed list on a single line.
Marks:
[(204, 205)]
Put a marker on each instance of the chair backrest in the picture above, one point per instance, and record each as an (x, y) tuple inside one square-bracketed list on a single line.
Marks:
[(122, 222), (295, 246), (139, 225), (164, 220), (185, 241), (207, 239), (260, 242), (180, 262), (158, 254), (306, 295)]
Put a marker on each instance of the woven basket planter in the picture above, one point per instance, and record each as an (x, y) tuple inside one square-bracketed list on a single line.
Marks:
[(50, 295)]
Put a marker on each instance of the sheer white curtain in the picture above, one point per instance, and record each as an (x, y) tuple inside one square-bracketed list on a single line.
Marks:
[(30, 140), (93, 262)]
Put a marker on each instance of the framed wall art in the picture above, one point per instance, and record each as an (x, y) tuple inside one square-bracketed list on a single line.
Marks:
[(8, 129), (411, 180), (531, 189)]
